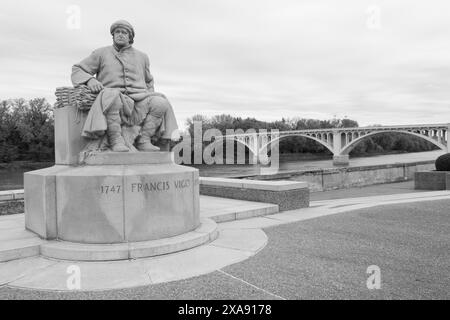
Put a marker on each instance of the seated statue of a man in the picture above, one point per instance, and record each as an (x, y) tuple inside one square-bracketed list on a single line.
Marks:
[(126, 98)]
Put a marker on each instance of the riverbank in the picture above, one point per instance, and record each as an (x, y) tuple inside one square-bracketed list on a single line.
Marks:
[(324, 179), (25, 165), (289, 166)]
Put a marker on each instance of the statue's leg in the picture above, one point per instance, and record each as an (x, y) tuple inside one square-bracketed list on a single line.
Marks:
[(114, 130), (157, 107)]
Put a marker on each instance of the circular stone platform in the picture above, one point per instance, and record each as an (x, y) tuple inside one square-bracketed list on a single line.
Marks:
[(64, 250), (41, 273)]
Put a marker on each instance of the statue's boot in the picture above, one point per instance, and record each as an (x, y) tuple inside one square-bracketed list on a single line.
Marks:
[(148, 130), (114, 132), (164, 145)]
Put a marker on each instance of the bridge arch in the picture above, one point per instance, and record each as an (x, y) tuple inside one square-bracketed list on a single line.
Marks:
[(352, 144), (222, 139), (277, 139)]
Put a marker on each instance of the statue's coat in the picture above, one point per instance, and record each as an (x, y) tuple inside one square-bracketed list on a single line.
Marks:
[(126, 71)]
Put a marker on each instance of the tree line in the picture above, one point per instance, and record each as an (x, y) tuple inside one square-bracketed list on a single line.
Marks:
[(382, 143), (27, 132)]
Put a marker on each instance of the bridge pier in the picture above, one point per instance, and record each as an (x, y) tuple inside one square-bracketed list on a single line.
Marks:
[(255, 159), (338, 143), (341, 160)]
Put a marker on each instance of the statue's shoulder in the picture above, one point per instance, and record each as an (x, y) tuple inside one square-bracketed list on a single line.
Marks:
[(104, 50), (140, 53)]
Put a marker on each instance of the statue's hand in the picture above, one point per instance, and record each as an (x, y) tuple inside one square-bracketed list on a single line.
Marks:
[(94, 85)]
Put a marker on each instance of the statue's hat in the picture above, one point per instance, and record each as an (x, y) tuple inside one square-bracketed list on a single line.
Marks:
[(124, 24)]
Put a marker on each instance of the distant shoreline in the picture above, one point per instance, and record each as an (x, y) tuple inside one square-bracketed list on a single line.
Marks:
[(20, 165), (33, 165)]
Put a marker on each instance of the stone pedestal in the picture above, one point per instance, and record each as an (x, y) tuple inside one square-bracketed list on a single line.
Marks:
[(116, 198), (341, 160)]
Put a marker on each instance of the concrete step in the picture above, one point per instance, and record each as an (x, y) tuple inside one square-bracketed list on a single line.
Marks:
[(223, 209), (15, 241), (19, 248), (64, 250)]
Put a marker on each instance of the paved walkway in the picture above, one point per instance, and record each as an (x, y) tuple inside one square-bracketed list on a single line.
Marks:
[(319, 252), (367, 191)]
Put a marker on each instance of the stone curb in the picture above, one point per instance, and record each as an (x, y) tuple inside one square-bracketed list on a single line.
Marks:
[(64, 250)]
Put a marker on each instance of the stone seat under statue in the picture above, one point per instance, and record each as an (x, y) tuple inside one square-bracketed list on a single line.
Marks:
[(71, 110)]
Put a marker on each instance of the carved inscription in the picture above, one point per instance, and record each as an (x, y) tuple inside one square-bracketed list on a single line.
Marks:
[(110, 189), (181, 184), (151, 186)]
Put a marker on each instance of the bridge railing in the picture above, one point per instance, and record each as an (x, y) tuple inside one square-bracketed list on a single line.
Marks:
[(441, 126)]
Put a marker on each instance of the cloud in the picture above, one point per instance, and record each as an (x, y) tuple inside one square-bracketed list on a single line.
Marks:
[(262, 59)]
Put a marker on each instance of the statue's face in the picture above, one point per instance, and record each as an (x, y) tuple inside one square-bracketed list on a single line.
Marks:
[(121, 36)]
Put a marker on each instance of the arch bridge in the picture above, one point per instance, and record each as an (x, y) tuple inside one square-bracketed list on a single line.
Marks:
[(340, 141)]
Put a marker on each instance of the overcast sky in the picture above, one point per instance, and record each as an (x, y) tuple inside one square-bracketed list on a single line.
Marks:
[(377, 62)]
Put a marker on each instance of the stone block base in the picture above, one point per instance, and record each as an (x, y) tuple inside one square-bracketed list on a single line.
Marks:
[(40, 201), (432, 180)]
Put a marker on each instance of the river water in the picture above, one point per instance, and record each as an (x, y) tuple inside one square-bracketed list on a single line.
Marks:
[(10, 180), (13, 179)]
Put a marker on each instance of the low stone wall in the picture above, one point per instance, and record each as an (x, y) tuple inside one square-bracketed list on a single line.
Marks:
[(11, 195), (11, 202), (347, 177), (447, 181), (288, 195)]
